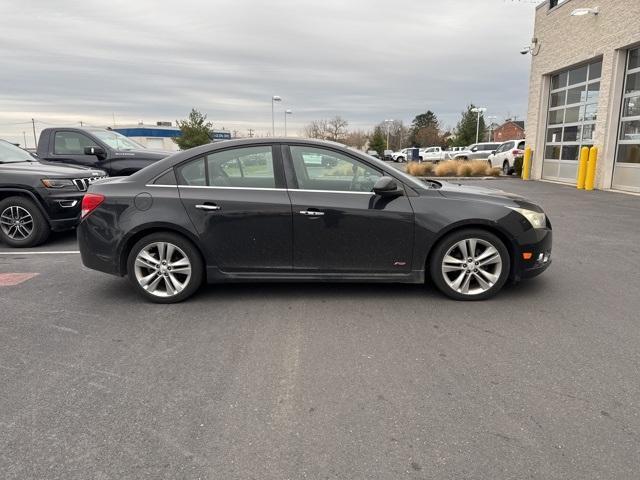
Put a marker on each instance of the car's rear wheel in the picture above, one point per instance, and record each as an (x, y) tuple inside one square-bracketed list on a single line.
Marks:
[(506, 169), (165, 267), (470, 265), (22, 224)]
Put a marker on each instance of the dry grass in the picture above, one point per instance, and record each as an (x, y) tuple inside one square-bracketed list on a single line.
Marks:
[(448, 168), (454, 168), (418, 169)]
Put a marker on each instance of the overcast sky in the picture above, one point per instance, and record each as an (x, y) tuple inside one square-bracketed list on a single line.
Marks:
[(65, 61)]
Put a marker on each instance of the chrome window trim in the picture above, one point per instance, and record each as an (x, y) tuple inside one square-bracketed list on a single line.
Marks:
[(259, 189)]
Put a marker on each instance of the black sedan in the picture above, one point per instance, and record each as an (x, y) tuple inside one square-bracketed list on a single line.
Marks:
[(304, 210)]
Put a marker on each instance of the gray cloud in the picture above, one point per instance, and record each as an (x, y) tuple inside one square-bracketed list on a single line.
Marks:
[(66, 61)]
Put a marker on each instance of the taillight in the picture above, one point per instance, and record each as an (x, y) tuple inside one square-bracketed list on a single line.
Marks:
[(90, 202), (517, 152)]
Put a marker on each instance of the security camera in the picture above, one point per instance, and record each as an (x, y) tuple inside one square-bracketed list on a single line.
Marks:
[(525, 50)]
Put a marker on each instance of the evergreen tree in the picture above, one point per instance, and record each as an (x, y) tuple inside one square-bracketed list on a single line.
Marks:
[(194, 131), (425, 130), (378, 141), (467, 127)]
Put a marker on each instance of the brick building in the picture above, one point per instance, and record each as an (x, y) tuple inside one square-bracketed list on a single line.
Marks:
[(509, 130), (585, 90)]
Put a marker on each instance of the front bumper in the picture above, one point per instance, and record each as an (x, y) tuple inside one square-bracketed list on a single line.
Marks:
[(538, 243)]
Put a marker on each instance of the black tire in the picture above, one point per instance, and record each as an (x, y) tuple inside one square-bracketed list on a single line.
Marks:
[(506, 169), (400, 159), (40, 226), (441, 249), (192, 253)]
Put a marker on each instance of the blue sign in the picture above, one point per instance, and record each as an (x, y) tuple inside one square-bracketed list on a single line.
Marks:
[(220, 135)]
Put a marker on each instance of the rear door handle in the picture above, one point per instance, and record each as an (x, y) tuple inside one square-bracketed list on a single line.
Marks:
[(311, 213), (208, 207)]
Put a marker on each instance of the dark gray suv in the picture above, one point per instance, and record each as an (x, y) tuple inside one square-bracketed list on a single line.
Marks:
[(37, 197)]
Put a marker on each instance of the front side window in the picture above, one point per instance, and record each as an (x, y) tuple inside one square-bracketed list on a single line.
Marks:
[(71, 143), (321, 169)]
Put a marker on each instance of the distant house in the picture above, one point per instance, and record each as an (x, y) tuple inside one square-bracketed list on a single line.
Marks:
[(509, 130)]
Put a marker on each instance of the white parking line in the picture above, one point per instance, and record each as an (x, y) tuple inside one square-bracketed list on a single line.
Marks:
[(18, 252)]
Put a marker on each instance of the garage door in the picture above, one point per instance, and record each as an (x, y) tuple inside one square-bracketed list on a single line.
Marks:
[(571, 120), (626, 173)]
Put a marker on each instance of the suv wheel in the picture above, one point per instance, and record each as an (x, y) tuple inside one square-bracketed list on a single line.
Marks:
[(470, 265), (22, 224), (506, 169), (400, 159), (165, 267)]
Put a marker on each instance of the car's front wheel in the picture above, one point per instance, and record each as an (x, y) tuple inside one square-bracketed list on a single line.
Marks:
[(470, 265), (22, 224), (165, 267)]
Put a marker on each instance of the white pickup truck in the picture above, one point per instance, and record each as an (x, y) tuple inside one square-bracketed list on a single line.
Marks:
[(434, 154)]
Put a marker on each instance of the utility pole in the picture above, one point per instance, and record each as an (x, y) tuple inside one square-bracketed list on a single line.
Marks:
[(35, 139), (251, 133), (24, 136), (81, 123)]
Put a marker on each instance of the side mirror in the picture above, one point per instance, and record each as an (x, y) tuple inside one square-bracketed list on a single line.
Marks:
[(493, 152), (386, 187), (97, 151), (474, 149)]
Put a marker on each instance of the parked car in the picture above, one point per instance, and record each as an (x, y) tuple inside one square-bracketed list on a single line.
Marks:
[(477, 151), (373, 153), (504, 156), (434, 154), (201, 215), (96, 148), (36, 198), (400, 156)]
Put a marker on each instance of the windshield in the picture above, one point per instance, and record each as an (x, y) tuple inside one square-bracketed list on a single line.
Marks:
[(116, 140), (9, 153)]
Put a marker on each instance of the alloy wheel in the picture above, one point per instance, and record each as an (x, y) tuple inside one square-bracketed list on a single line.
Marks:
[(505, 168), (162, 269), (472, 266), (16, 222)]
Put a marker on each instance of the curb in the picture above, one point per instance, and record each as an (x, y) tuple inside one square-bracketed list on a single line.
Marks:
[(446, 179)]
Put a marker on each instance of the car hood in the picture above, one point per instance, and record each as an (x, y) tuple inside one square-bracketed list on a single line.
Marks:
[(143, 154), (50, 169), (469, 192)]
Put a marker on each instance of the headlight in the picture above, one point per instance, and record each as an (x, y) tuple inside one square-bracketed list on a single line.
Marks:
[(536, 219), (56, 182)]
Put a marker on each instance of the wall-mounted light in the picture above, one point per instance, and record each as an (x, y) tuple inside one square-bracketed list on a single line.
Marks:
[(580, 12)]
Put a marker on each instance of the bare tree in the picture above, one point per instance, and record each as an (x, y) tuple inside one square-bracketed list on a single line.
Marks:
[(356, 139), (334, 129)]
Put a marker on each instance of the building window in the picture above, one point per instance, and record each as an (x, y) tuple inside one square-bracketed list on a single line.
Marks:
[(571, 118), (555, 3)]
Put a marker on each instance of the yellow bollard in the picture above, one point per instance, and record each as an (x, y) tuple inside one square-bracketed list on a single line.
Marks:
[(591, 169), (526, 164), (582, 167)]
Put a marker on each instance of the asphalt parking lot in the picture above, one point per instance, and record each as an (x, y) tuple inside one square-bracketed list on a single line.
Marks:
[(297, 381)]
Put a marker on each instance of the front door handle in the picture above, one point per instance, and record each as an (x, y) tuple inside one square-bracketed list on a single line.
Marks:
[(311, 213), (208, 208)]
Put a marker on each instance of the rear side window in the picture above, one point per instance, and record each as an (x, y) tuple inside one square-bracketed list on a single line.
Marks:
[(249, 167), (168, 178), (192, 173)]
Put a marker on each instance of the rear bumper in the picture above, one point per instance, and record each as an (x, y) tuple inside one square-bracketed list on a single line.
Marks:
[(93, 256), (539, 244)]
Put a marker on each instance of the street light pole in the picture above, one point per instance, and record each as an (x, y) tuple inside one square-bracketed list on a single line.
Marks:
[(286, 112), (274, 99), (478, 110), (491, 118), (388, 122)]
